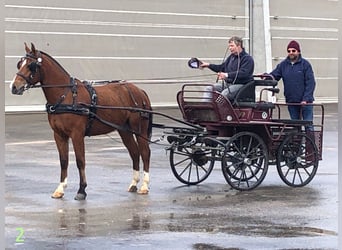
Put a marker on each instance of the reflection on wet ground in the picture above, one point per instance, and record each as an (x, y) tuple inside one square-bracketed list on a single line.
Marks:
[(210, 210), (173, 216)]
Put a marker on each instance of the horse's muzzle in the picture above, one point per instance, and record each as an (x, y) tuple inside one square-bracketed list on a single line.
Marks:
[(17, 90)]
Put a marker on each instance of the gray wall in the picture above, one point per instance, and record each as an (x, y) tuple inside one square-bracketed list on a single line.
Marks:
[(314, 24), (150, 42)]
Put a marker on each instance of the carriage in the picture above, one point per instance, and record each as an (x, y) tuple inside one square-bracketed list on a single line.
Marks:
[(246, 135)]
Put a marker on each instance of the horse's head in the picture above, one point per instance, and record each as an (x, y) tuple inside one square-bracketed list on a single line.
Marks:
[(28, 71)]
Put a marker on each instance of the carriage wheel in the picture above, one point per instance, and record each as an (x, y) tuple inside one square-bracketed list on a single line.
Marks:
[(297, 159), (192, 164), (245, 161)]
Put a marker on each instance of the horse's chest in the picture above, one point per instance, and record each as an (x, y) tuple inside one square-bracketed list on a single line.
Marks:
[(66, 124)]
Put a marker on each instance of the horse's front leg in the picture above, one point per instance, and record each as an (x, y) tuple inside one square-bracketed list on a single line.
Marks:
[(133, 187), (78, 144), (62, 143)]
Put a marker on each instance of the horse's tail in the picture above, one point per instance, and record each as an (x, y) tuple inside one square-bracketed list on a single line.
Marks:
[(150, 117), (150, 122)]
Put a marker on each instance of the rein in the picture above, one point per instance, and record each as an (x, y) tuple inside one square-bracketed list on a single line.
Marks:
[(127, 128), (146, 111), (88, 109), (50, 86), (70, 85), (169, 78)]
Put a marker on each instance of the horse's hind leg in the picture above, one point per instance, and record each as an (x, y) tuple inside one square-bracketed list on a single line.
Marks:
[(145, 153), (62, 143), (133, 150)]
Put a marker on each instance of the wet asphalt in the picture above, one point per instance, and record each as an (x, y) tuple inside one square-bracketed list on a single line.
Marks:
[(210, 215)]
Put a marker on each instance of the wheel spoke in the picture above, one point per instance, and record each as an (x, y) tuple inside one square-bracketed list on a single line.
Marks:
[(185, 169), (245, 161), (299, 176), (191, 164), (184, 160), (189, 167), (297, 160)]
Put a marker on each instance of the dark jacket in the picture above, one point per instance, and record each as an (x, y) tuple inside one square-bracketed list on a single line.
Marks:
[(239, 68), (298, 78)]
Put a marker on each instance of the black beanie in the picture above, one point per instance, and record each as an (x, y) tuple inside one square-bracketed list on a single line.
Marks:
[(294, 45)]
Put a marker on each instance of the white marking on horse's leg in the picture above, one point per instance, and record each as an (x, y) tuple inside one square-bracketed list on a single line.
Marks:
[(146, 181), (59, 192), (135, 180)]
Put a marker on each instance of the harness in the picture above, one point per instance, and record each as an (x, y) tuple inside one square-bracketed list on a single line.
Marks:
[(77, 108), (74, 108), (89, 109)]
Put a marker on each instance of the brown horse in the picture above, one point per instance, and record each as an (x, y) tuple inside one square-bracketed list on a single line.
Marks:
[(77, 109)]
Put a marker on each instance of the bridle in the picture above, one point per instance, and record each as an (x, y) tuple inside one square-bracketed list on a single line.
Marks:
[(33, 66)]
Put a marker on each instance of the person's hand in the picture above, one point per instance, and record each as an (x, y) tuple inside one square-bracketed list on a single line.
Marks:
[(265, 76), (203, 65), (222, 75), (303, 102), (262, 76)]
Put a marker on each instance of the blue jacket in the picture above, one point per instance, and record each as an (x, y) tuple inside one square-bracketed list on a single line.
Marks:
[(298, 78), (239, 68)]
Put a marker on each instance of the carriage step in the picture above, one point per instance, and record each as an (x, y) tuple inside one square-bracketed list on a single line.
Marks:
[(293, 122)]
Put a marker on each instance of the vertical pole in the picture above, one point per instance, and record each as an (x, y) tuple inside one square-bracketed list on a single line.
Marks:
[(260, 37)]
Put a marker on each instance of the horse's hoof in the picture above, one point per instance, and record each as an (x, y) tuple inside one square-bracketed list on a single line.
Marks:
[(57, 195), (132, 189), (145, 191), (80, 197)]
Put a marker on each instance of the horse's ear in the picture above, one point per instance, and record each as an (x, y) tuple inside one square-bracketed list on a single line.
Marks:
[(27, 48), (33, 49)]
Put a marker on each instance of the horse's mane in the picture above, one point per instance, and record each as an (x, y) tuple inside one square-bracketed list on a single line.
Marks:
[(54, 60)]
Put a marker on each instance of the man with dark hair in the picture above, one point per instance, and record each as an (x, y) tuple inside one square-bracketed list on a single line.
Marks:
[(299, 82), (235, 71)]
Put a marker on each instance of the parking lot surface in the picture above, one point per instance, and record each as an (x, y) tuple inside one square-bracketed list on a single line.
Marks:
[(210, 215)]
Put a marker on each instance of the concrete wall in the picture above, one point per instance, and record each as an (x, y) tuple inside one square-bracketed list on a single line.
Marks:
[(150, 42), (314, 24)]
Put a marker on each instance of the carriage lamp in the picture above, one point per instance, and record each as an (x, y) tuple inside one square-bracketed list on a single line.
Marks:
[(229, 118)]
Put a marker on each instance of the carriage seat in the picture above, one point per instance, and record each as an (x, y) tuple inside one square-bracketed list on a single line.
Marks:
[(197, 110), (246, 95)]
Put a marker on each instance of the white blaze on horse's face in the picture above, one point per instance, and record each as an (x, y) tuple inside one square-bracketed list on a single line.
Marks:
[(15, 77), (22, 77)]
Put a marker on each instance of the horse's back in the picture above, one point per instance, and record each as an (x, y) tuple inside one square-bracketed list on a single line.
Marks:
[(122, 94), (120, 105)]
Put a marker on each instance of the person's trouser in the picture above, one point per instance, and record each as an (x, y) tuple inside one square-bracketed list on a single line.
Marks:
[(298, 112), (230, 91)]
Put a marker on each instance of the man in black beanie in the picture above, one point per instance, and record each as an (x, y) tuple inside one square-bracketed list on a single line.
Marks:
[(299, 82)]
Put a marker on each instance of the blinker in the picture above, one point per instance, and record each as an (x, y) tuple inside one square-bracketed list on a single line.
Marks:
[(33, 67)]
